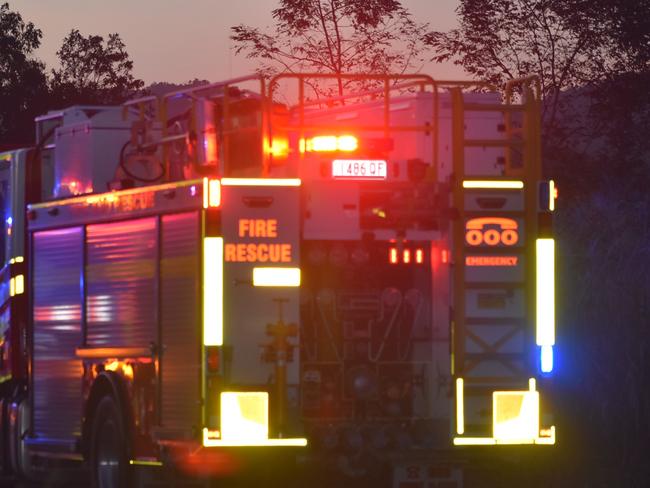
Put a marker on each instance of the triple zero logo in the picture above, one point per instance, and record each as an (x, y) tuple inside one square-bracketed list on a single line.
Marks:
[(491, 231)]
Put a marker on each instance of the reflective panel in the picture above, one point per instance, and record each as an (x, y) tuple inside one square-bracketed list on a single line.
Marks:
[(260, 181), (494, 184), (20, 284), (213, 291), (460, 407), (244, 416), (276, 276), (552, 195), (245, 422), (515, 416), (545, 292)]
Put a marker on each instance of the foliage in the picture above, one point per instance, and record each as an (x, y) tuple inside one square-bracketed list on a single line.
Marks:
[(160, 88), (499, 40), (22, 77), (93, 71), (627, 25), (604, 345), (335, 36)]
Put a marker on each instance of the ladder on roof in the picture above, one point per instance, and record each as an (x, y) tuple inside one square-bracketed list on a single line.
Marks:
[(494, 255)]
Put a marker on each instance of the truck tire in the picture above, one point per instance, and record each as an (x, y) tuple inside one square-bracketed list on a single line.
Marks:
[(108, 455), (5, 465), (18, 424)]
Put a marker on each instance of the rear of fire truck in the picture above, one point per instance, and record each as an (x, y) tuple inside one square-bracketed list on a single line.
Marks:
[(217, 284), (427, 296)]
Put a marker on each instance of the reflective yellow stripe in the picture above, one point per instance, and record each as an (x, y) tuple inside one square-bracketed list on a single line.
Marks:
[(260, 181), (545, 292), (213, 291), (494, 184)]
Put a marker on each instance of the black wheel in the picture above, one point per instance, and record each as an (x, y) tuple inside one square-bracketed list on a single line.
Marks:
[(18, 420), (108, 456)]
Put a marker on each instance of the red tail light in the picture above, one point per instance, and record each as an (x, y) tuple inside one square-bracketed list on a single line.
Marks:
[(213, 358)]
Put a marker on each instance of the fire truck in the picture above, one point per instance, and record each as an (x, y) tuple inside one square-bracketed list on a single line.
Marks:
[(219, 281)]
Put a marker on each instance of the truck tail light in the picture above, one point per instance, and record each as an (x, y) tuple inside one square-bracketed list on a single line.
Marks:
[(407, 255), (279, 147), (213, 359)]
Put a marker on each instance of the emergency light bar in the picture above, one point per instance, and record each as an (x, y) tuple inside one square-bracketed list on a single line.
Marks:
[(344, 143)]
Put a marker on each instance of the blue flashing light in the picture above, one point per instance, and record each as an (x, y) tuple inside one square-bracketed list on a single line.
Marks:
[(547, 359), (10, 221)]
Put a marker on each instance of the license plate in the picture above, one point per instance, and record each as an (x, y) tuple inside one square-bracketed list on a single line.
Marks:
[(360, 169)]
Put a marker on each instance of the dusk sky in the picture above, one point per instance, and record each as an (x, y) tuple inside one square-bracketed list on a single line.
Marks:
[(171, 41)]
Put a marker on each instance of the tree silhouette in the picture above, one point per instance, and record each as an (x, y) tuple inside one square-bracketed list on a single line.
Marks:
[(335, 36), (499, 40), (93, 71), (23, 90)]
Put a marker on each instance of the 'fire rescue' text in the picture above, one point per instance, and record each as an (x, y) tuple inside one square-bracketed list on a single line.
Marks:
[(264, 252)]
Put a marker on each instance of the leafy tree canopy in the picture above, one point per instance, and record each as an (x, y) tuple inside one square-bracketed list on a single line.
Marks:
[(22, 77), (568, 43), (335, 36), (499, 40), (93, 71)]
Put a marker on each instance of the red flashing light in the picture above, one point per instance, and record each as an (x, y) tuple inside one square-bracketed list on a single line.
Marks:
[(408, 256), (279, 147), (344, 143), (445, 256)]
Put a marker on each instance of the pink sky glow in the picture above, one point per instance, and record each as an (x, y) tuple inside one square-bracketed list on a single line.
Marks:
[(171, 41)]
